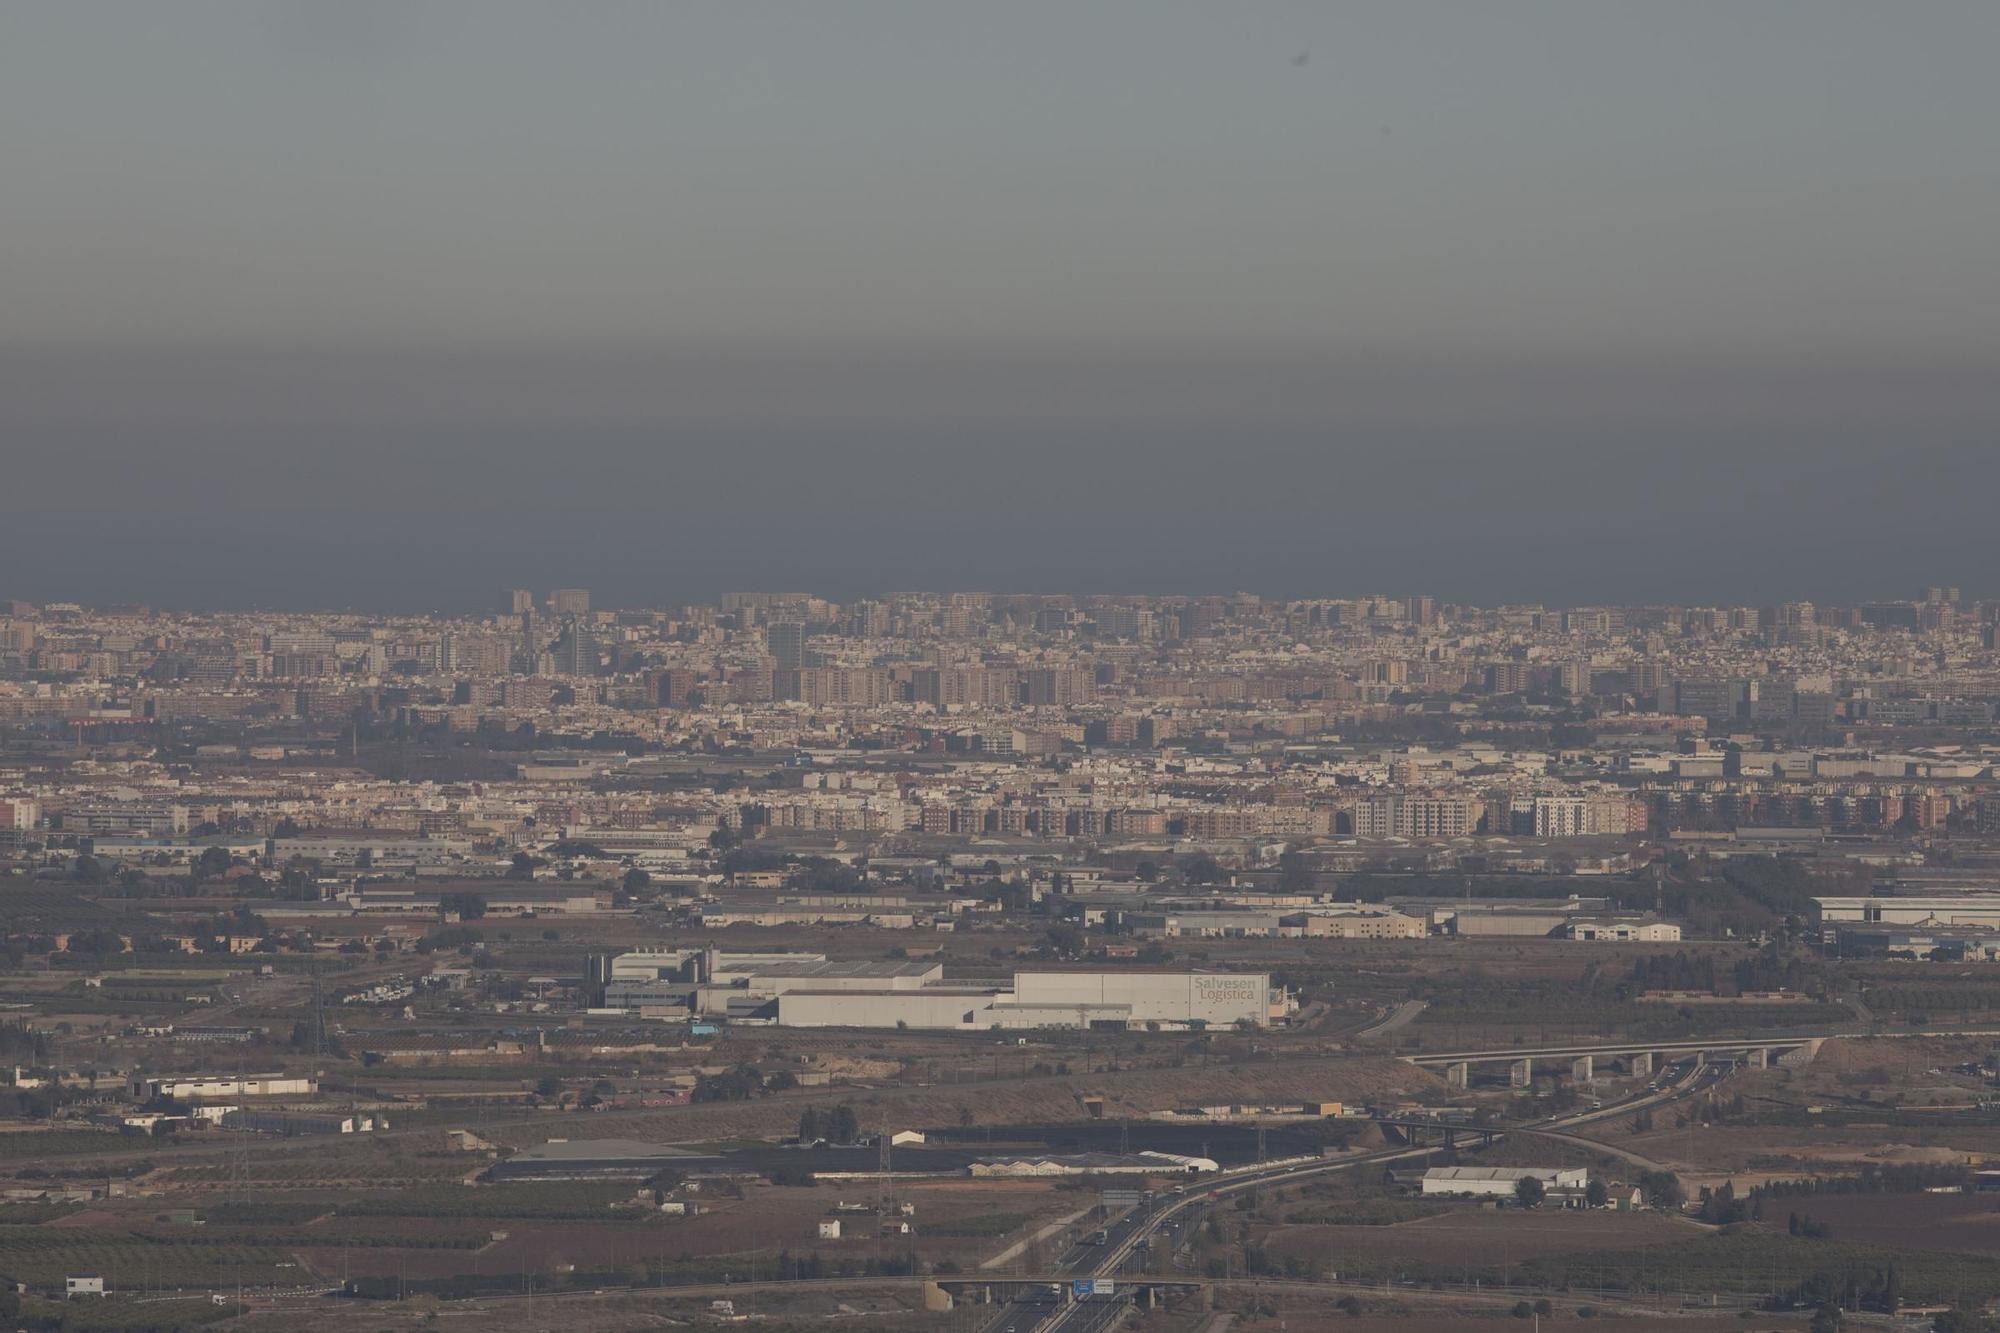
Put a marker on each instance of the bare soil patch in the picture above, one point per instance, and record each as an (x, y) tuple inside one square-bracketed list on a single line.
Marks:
[(1481, 1236)]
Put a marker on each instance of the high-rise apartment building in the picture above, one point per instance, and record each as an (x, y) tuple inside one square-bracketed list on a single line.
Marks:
[(1395, 815), (677, 688), (576, 652), (570, 601), (787, 643), (1055, 686), (1719, 700), (523, 600)]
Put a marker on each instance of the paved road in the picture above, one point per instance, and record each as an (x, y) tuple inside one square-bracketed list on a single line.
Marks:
[(1401, 1016), (1717, 1043), (1573, 1051), (1677, 1082), (1131, 1233)]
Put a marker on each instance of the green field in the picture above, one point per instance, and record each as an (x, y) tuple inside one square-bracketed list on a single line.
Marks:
[(29, 1145)]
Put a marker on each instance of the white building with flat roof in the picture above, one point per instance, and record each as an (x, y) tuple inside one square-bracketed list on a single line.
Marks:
[(1184, 999), (191, 1087), (1038, 999), (1499, 1182), (1955, 909)]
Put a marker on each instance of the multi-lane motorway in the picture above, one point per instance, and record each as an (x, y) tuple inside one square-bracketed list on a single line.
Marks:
[(1047, 1309), (1043, 1310)]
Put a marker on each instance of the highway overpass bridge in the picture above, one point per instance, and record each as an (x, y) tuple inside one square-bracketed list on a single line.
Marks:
[(1419, 1129), (1639, 1057)]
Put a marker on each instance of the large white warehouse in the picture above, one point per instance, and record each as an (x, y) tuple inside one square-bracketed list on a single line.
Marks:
[(1055, 998), (810, 990), (1930, 910), (1500, 1182), (1206, 999)]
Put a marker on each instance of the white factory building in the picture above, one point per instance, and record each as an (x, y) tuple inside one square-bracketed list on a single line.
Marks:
[(1052, 998), (194, 1087), (1930, 910), (810, 990), (1499, 1182)]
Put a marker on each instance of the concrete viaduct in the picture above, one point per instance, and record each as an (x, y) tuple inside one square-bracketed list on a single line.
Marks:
[(1640, 1058)]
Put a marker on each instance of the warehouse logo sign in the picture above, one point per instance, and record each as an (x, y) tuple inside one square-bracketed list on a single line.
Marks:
[(1229, 988)]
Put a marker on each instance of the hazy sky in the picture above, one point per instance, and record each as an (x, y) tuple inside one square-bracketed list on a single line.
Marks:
[(396, 304)]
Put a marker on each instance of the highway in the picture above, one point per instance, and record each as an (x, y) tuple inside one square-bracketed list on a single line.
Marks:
[(1672, 1082), (1793, 1038), (1676, 1082), (1044, 1312), (1400, 1017), (1047, 1310), (1621, 1048)]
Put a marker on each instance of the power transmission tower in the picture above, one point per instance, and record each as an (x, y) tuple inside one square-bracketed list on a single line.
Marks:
[(239, 1165), (882, 1168), (319, 1020)]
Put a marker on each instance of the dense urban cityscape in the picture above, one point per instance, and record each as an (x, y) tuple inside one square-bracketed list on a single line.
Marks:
[(1003, 960), (899, 666)]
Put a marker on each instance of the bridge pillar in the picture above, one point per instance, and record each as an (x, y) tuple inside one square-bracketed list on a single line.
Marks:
[(1521, 1074), (1583, 1069), (1642, 1064), (1458, 1075), (1757, 1057)]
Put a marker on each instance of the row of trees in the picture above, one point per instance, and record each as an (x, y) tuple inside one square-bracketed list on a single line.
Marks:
[(1835, 1290), (740, 1084), (836, 1124), (1894, 1178)]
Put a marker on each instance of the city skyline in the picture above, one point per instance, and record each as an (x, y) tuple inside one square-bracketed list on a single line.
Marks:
[(583, 603), (999, 668)]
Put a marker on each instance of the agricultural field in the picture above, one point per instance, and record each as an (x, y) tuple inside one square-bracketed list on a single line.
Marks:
[(1755, 1261), (462, 1239), (1443, 1317), (618, 1310), (1479, 1237), (140, 1258), (1960, 1223), (295, 1164)]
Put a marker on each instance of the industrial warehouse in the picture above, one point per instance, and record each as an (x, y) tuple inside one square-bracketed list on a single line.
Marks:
[(808, 990)]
